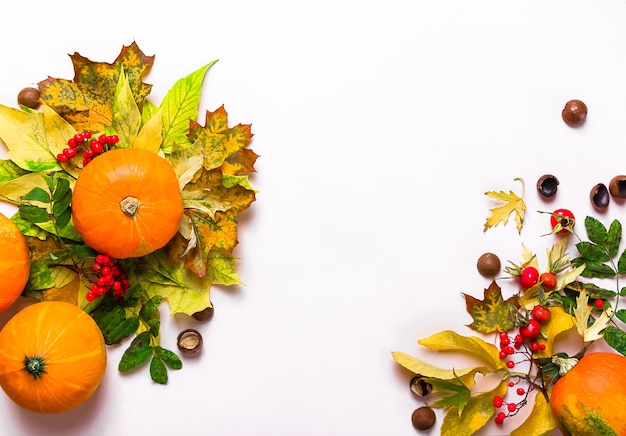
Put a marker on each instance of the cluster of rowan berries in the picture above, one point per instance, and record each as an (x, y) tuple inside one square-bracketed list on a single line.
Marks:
[(91, 147), (111, 276)]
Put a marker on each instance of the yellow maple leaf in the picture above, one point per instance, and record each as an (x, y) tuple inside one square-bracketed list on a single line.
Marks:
[(511, 204)]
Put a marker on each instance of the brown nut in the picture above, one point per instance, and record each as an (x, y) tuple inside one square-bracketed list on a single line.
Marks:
[(189, 341), (29, 97), (488, 265), (204, 315), (574, 113), (419, 387), (423, 418), (547, 185), (599, 196), (617, 187)]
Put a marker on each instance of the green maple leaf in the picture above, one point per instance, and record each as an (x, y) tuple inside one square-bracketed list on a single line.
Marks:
[(460, 394), (493, 313)]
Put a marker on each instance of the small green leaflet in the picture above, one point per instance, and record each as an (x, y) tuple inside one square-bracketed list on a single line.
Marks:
[(459, 397)]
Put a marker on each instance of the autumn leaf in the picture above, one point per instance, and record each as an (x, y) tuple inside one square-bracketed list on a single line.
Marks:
[(540, 421), (560, 322), (493, 313), (500, 214), (449, 340), (87, 101), (126, 117), (417, 366), (476, 414)]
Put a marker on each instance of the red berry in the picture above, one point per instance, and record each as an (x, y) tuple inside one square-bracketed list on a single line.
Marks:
[(72, 143), (511, 384), (88, 153), (563, 218), (519, 339), (540, 313), (534, 346), (79, 137), (70, 152), (505, 341), (509, 350), (62, 157), (102, 259), (87, 135), (511, 407), (542, 347), (95, 146), (510, 364), (503, 354), (105, 271), (90, 296), (531, 330), (599, 303), (113, 139), (520, 391), (529, 277), (548, 280), (86, 160), (498, 401), (500, 418), (102, 139)]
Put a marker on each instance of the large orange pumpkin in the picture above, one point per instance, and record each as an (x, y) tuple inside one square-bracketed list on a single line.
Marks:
[(127, 203), (14, 262), (589, 399), (52, 357)]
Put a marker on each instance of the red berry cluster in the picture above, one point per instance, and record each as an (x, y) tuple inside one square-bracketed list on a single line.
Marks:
[(511, 407), (111, 276), (91, 147)]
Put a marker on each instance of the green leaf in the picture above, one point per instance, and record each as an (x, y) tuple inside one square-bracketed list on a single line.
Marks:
[(158, 371), (168, 357), (621, 315), (61, 189), (37, 194), (154, 326), (122, 330), (461, 394), (149, 307), (180, 106), (621, 264), (596, 231), (615, 338), (33, 214), (134, 357), (592, 252), (613, 238), (44, 276), (58, 207), (598, 270), (58, 131), (126, 116), (64, 219)]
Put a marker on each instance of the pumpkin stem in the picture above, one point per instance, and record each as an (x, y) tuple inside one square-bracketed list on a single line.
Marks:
[(130, 206), (564, 364), (35, 366)]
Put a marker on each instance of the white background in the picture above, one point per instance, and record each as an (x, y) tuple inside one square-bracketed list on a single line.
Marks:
[(380, 125)]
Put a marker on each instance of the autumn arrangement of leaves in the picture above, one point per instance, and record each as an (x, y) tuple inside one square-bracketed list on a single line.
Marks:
[(212, 163), (469, 408)]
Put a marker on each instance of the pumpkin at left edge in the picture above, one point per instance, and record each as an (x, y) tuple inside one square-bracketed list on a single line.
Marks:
[(52, 357)]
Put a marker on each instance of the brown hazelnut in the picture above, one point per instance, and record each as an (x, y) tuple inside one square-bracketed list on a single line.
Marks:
[(204, 315), (423, 418), (599, 196), (547, 185), (574, 113), (617, 187), (189, 341), (488, 265), (29, 97)]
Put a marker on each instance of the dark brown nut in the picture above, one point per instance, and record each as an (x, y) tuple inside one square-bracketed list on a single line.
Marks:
[(29, 97), (599, 196), (547, 185), (204, 315), (574, 113), (488, 265), (423, 418), (617, 187), (189, 341), (419, 387)]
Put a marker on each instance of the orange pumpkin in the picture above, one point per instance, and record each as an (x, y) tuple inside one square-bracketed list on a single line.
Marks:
[(52, 357), (127, 203), (589, 399), (14, 262)]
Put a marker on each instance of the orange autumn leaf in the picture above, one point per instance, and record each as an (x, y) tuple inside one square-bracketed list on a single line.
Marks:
[(87, 101)]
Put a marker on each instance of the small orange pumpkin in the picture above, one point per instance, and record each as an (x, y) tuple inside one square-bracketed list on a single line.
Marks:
[(14, 262), (52, 357), (127, 203)]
